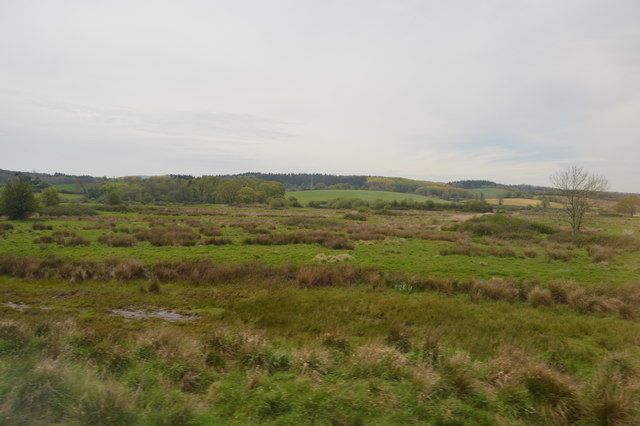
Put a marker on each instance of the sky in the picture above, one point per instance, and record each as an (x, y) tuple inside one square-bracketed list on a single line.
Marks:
[(509, 91)]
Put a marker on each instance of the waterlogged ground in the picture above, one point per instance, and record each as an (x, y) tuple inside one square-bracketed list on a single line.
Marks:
[(214, 315)]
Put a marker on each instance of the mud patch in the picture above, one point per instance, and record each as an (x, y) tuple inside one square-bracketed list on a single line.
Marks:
[(162, 314)]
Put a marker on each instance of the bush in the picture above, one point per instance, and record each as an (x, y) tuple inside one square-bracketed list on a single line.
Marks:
[(540, 297), (210, 231), (325, 239), (494, 289), (6, 226), (50, 197), (113, 240), (173, 235), (555, 254), (355, 216), (216, 241), (40, 226), (600, 253), (17, 200), (44, 239)]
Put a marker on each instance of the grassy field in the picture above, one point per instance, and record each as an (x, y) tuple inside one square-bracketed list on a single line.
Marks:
[(489, 192), (331, 194), (521, 202), (221, 315), (70, 187)]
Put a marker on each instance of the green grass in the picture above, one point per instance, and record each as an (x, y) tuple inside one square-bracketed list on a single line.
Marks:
[(490, 192), (70, 187), (331, 194), (380, 349)]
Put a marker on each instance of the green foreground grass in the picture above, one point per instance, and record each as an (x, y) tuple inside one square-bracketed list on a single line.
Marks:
[(387, 340)]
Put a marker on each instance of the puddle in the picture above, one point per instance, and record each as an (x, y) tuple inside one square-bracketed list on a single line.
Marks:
[(162, 314), (18, 306)]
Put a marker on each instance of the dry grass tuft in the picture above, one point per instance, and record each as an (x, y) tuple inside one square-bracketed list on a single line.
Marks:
[(600, 253), (538, 296), (494, 289), (41, 227), (376, 360), (113, 240)]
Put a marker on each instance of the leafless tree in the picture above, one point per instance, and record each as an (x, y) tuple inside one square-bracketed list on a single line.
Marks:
[(578, 187)]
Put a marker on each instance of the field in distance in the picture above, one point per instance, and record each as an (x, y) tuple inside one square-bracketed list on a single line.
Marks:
[(332, 194), (522, 202)]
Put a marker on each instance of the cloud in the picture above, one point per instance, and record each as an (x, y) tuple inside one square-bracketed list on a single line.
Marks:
[(507, 91)]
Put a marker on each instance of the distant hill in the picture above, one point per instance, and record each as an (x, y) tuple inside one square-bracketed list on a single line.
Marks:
[(46, 179)]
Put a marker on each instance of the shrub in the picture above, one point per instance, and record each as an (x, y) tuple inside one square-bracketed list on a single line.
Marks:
[(41, 226), (129, 269), (44, 239), (538, 296), (560, 291), (117, 240), (210, 231), (600, 253), (74, 242), (326, 239), (6, 226), (171, 235), (216, 241), (494, 289), (17, 200), (355, 216), (554, 254), (585, 302), (309, 276)]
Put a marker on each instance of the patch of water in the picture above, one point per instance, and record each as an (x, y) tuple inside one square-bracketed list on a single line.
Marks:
[(18, 306), (162, 314)]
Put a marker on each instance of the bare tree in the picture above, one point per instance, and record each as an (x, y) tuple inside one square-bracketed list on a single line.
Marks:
[(578, 188)]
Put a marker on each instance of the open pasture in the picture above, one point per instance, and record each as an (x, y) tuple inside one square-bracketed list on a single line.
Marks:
[(364, 195), (217, 315)]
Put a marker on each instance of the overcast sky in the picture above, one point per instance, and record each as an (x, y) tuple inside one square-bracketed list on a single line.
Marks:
[(507, 90)]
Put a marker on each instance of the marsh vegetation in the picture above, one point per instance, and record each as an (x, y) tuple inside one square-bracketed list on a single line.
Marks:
[(326, 316)]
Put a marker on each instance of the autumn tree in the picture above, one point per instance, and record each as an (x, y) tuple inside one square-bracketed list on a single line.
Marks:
[(578, 188)]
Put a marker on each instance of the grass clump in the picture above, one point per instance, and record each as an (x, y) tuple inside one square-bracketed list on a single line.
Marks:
[(168, 235), (216, 241), (113, 240), (600, 253), (41, 226), (325, 239)]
